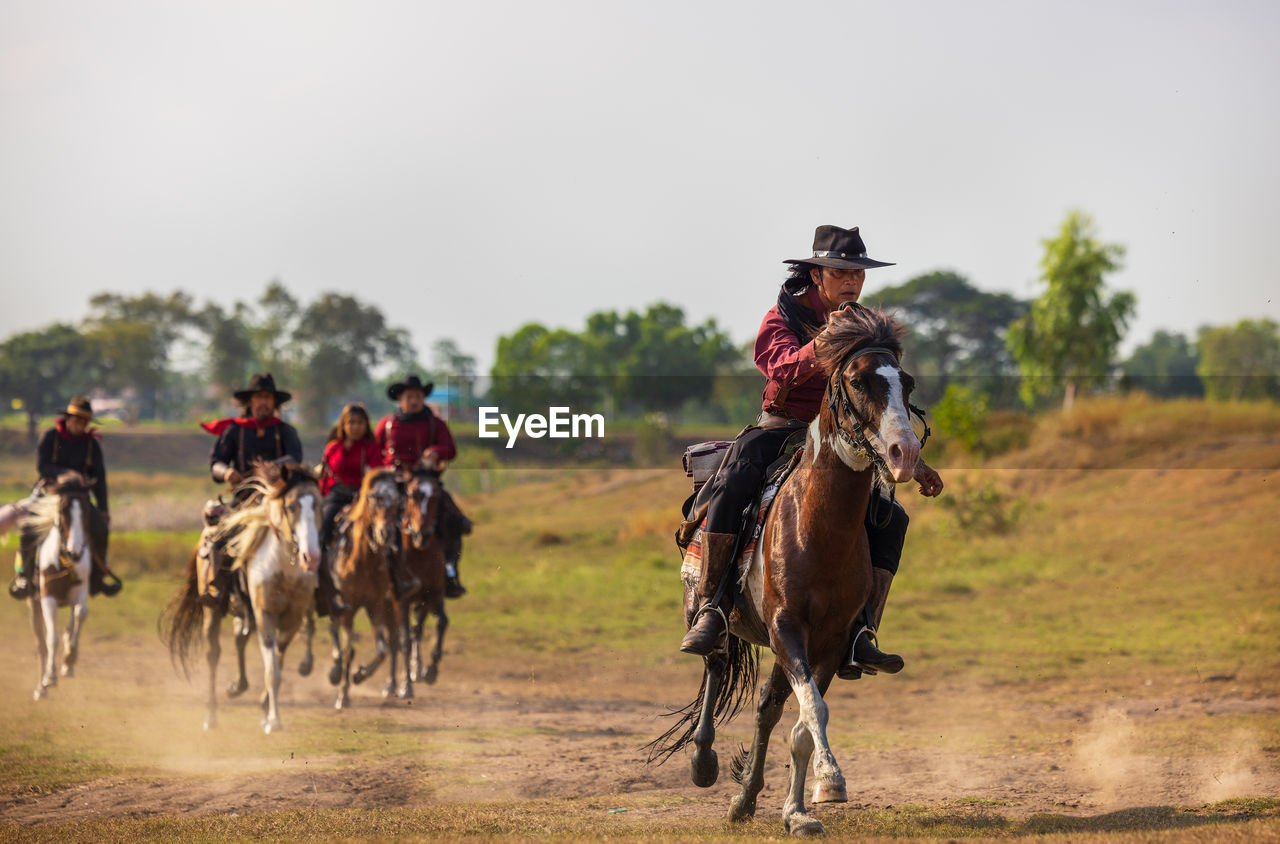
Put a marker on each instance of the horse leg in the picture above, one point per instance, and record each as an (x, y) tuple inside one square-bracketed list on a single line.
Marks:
[(418, 669), (42, 647), (406, 649), (442, 624), (267, 641), (705, 766), (309, 633), (345, 654), (49, 609), (71, 639), (393, 652), (794, 817), (789, 642), (773, 695), (212, 652), (243, 627), (336, 670), (364, 672)]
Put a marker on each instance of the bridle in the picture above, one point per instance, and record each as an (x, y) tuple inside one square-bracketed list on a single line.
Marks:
[(841, 406)]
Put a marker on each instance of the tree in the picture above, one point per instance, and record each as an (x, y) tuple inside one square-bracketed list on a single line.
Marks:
[(42, 369), (1164, 366), (537, 367), (1240, 361), (132, 339), (955, 330), (337, 340), (1074, 328), (230, 359)]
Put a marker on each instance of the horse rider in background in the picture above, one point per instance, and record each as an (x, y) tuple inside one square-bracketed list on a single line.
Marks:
[(416, 436), (350, 452), (794, 388), (256, 434), (72, 447)]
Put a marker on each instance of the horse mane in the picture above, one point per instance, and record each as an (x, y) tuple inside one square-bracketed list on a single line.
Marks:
[(852, 329), (245, 529), (42, 514), (359, 515)]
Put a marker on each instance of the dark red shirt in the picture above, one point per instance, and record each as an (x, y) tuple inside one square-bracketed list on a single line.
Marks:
[(348, 465), (403, 442), (795, 382)]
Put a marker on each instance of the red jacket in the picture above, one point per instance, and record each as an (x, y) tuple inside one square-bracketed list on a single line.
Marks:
[(403, 442), (795, 383), (344, 465)]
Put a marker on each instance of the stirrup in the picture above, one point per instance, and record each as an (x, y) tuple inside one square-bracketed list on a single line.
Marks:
[(851, 669), (724, 629)]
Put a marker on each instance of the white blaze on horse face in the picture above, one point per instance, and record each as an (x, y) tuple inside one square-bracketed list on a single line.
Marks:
[(308, 537), (427, 488), (897, 437), (76, 535)]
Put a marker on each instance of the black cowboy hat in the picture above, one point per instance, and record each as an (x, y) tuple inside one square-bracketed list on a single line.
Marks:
[(413, 382), (839, 248), (262, 382), (79, 406)]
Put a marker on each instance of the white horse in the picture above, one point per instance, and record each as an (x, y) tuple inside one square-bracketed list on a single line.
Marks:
[(275, 541), (60, 520)]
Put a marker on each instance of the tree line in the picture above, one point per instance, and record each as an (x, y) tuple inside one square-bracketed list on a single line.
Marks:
[(171, 356)]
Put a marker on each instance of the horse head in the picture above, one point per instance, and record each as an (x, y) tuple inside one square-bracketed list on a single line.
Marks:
[(868, 392), (73, 515), (297, 493), (377, 508), (422, 501)]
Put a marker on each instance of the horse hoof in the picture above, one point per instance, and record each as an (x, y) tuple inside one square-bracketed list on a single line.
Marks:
[(829, 792), (335, 675), (388, 692), (803, 826), (237, 687), (40, 693), (705, 769), (741, 809), (342, 703), (68, 671), (270, 727), (360, 676), (404, 692), (304, 667), (432, 675), (210, 724)]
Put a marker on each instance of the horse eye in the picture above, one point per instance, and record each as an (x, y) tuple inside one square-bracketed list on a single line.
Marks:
[(858, 386)]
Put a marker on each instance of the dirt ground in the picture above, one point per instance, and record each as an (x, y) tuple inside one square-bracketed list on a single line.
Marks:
[(501, 732)]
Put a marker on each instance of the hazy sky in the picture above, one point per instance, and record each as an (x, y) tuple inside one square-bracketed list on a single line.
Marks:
[(472, 166)]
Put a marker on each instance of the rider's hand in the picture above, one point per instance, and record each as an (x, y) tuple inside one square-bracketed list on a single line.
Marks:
[(232, 477), (930, 481)]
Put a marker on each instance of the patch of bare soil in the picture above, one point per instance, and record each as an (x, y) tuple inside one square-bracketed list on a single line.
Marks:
[(510, 735)]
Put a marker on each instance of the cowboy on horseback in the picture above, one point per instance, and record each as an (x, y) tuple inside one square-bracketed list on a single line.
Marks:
[(350, 452), (784, 351), (257, 434), (417, 436), (71, 449)]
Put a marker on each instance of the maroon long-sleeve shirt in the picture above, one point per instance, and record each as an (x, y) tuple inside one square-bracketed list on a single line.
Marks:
[(795, 382), (403, 441)]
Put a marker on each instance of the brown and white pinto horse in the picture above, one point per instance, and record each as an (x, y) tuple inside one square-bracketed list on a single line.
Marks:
[(360, 568), (60, 520), (275, 540), (810, 574)]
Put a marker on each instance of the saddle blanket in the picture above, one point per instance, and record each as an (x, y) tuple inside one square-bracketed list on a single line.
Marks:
[(691, 567)]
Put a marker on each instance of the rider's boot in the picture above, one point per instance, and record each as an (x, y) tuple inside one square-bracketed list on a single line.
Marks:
[(708, 629), (864, 657), (102, 580), (24, 581), (453, 587)]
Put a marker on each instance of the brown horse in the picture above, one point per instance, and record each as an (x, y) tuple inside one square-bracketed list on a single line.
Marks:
[(275, 541), (360, 567), (424, 558), (810, 574)]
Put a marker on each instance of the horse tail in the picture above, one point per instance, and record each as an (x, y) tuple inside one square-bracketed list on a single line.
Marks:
[(741, 667), (181, 621)]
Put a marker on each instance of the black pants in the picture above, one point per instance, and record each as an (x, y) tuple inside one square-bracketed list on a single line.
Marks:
[(339, 496), (742, 476)]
